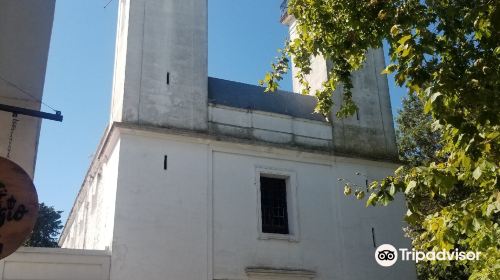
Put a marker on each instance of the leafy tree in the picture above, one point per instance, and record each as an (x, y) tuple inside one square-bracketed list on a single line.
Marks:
[(47, 228), (447, 53), (418, 145)]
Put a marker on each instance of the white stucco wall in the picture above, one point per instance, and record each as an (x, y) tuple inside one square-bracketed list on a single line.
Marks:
[(161, 215), (91, 221), (319, 69), (372, 128), (55, 264), (25, 30), (370, 132), (198, 219), (120, 61), (334, 232), (269, 127), (183, 204), (161, 65)]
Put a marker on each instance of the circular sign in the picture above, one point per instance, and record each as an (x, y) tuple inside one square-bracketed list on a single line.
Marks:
[(18, 207)]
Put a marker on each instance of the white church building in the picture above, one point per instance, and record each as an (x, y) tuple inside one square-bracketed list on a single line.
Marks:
[(203, 178)]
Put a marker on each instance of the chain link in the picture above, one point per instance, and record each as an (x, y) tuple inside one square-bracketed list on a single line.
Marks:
[(15, 120)]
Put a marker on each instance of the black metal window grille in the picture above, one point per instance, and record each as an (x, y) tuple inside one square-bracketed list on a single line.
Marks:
[(273, 205)]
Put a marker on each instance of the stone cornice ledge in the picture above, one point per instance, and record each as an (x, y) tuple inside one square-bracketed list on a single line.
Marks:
[(279, 273)]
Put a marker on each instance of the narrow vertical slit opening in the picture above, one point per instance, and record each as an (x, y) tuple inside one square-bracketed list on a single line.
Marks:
[(373, 238)]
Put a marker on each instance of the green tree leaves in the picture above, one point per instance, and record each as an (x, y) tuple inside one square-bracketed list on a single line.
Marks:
[(447, 54), (279, 68), (47, 228)]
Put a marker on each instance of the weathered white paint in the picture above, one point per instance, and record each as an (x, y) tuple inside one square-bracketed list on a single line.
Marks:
[(319, 67), (203, 210), (174, 200), (92, 218), (156, 39), (55, 264), (256, 273), (370, 132), (335, 232), (161, 215), (25, 30), (120, 62), (269, 127)]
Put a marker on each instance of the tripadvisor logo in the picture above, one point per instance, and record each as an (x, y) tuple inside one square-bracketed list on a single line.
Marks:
[(387, 255)]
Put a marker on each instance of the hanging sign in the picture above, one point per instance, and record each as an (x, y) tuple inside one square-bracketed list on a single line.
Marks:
[(18, 207)]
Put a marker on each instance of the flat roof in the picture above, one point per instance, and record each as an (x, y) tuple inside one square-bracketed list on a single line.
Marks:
[(250, 97)]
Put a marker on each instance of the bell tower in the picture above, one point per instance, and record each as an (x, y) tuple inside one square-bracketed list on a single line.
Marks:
[(370, 132), (161, 76)]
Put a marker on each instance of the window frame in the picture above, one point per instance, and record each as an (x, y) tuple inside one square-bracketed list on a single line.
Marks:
[(292, 205), (262, 273)]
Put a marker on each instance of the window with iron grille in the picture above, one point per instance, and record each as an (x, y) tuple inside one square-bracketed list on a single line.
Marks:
[(274, 205)]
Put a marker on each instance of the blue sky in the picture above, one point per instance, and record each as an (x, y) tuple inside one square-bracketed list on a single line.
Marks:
[(243, 38)]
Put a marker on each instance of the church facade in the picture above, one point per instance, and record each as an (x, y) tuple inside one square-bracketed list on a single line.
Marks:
[(203, 178)]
